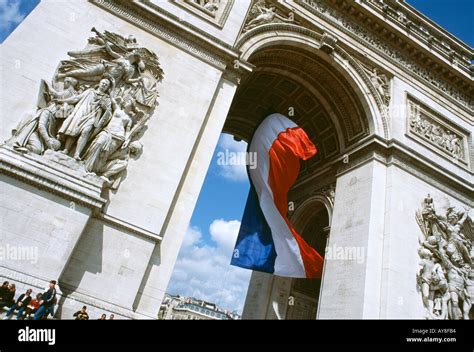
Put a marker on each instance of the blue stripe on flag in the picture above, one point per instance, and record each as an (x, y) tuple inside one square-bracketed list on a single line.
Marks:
[(254, 248)]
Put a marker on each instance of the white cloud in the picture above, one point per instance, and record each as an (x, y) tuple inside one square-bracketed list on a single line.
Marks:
[(227, 141), (203, 270), (10, 14), (224, 233), (192, 237), (232, 172)]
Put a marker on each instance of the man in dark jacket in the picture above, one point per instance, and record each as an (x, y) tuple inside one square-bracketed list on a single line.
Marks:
[(20, 304), (3, 290), (82, 314), (8, 297), (47, 302)]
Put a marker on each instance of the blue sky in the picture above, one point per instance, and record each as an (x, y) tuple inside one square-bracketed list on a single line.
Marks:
[(12, 12), (203, 269), (456, 16)]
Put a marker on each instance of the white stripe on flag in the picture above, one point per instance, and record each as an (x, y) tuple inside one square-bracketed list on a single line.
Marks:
[(286, 246)]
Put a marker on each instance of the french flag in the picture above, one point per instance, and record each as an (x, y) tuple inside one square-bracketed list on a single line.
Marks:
[(267, 242)]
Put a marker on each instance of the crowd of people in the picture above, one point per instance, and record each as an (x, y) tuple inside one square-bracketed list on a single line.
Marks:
[(83, 315), (37, 307), (28, 307)]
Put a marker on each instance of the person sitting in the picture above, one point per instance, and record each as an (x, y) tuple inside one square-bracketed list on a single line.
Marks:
[(31, 307), (20, 304), (47, 303), (81, 314), (103, 317), (8, 298), (3, 289)]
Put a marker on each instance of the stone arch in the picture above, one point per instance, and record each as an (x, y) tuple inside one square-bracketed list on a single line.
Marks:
[(302, 214), (303, 219), (338, 59)]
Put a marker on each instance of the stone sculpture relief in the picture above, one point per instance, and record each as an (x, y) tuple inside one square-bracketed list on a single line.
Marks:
[(446, 276), (380, 82), (435, 133), (209, 5), (261, 14), (97, 106)]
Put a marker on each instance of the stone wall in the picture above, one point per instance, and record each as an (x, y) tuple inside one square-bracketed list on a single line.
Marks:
[(121, 258)]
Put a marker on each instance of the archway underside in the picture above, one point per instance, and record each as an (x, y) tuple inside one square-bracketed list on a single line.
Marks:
[(290, 79)]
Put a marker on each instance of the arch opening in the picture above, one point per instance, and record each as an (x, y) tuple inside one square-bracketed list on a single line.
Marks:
[(297, 80), (300, 84), (313, 223)]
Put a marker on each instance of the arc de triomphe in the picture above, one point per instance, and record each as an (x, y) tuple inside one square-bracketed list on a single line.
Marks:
[(101, 179)]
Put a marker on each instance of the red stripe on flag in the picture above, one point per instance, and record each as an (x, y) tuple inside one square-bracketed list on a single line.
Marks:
[(285, 154)]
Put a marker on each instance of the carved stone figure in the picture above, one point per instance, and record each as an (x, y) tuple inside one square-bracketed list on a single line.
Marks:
[(37, 133), (456, 285), (452, 228), (439, 294), (446, 274), (469, 295), (114, 136), (209, 5), (381, 85), (93, 108), (122, 67), (424, 279), (97, 106), (260, 14), (118, 162), (435, 133)]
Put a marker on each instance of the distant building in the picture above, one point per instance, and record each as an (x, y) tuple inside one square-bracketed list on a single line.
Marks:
[(188, 308)]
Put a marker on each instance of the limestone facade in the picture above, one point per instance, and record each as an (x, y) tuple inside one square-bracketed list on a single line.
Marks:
[(386, 95)]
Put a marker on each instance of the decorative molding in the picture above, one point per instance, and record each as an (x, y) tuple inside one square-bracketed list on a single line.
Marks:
[(263, 12), (401, 14), (379, 91), (276, 27), (446, 277), (322, 10), (328, 43), (126, 226), (435, 132), (215, 12), (50, 174), (393, 152), (303, 63), (329, 192), (382, 99)]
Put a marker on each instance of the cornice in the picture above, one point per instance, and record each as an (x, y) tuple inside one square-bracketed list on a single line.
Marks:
[(166, 26), (391, 153), (416, 27), (128, 227), (58, 180), (405, 57)]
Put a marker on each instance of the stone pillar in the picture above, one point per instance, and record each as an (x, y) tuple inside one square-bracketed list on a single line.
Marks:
[(258, 296), (267, 297), (114, 248), (351, 287), (162, 261), (45, 205)]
